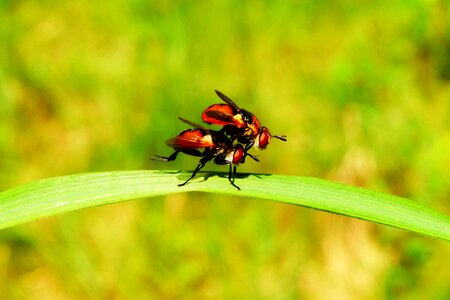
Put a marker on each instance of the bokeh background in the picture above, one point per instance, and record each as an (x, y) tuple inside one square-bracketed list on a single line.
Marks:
[(361, 88)]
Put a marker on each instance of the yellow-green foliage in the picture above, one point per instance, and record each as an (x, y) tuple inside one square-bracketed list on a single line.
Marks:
[(360, 88)]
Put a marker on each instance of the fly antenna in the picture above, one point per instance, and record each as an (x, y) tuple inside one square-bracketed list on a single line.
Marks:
[(281, 137)]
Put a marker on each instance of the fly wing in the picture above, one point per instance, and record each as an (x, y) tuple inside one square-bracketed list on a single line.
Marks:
[(192, 123), (191, 139), (227, 100), (221, 114)]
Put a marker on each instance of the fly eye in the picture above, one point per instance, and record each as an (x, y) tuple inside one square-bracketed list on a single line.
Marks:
[(238, 155), (264, 138)]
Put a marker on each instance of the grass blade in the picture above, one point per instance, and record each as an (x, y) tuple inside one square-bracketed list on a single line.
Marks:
[(62, 194)]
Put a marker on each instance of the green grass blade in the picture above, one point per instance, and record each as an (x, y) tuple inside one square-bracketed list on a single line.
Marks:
[(62, 194)]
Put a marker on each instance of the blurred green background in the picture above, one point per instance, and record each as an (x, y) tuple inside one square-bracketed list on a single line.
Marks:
[(361, 89)]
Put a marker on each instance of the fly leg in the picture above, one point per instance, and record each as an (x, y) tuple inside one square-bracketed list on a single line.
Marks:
[(200, 165), (230, 175), (254, 157), (172, 157), (249, 145)]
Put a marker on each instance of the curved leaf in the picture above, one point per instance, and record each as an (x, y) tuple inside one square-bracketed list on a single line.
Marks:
[(62, 194)]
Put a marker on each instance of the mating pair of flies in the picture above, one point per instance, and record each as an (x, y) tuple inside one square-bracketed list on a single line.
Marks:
[(240, 132)]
